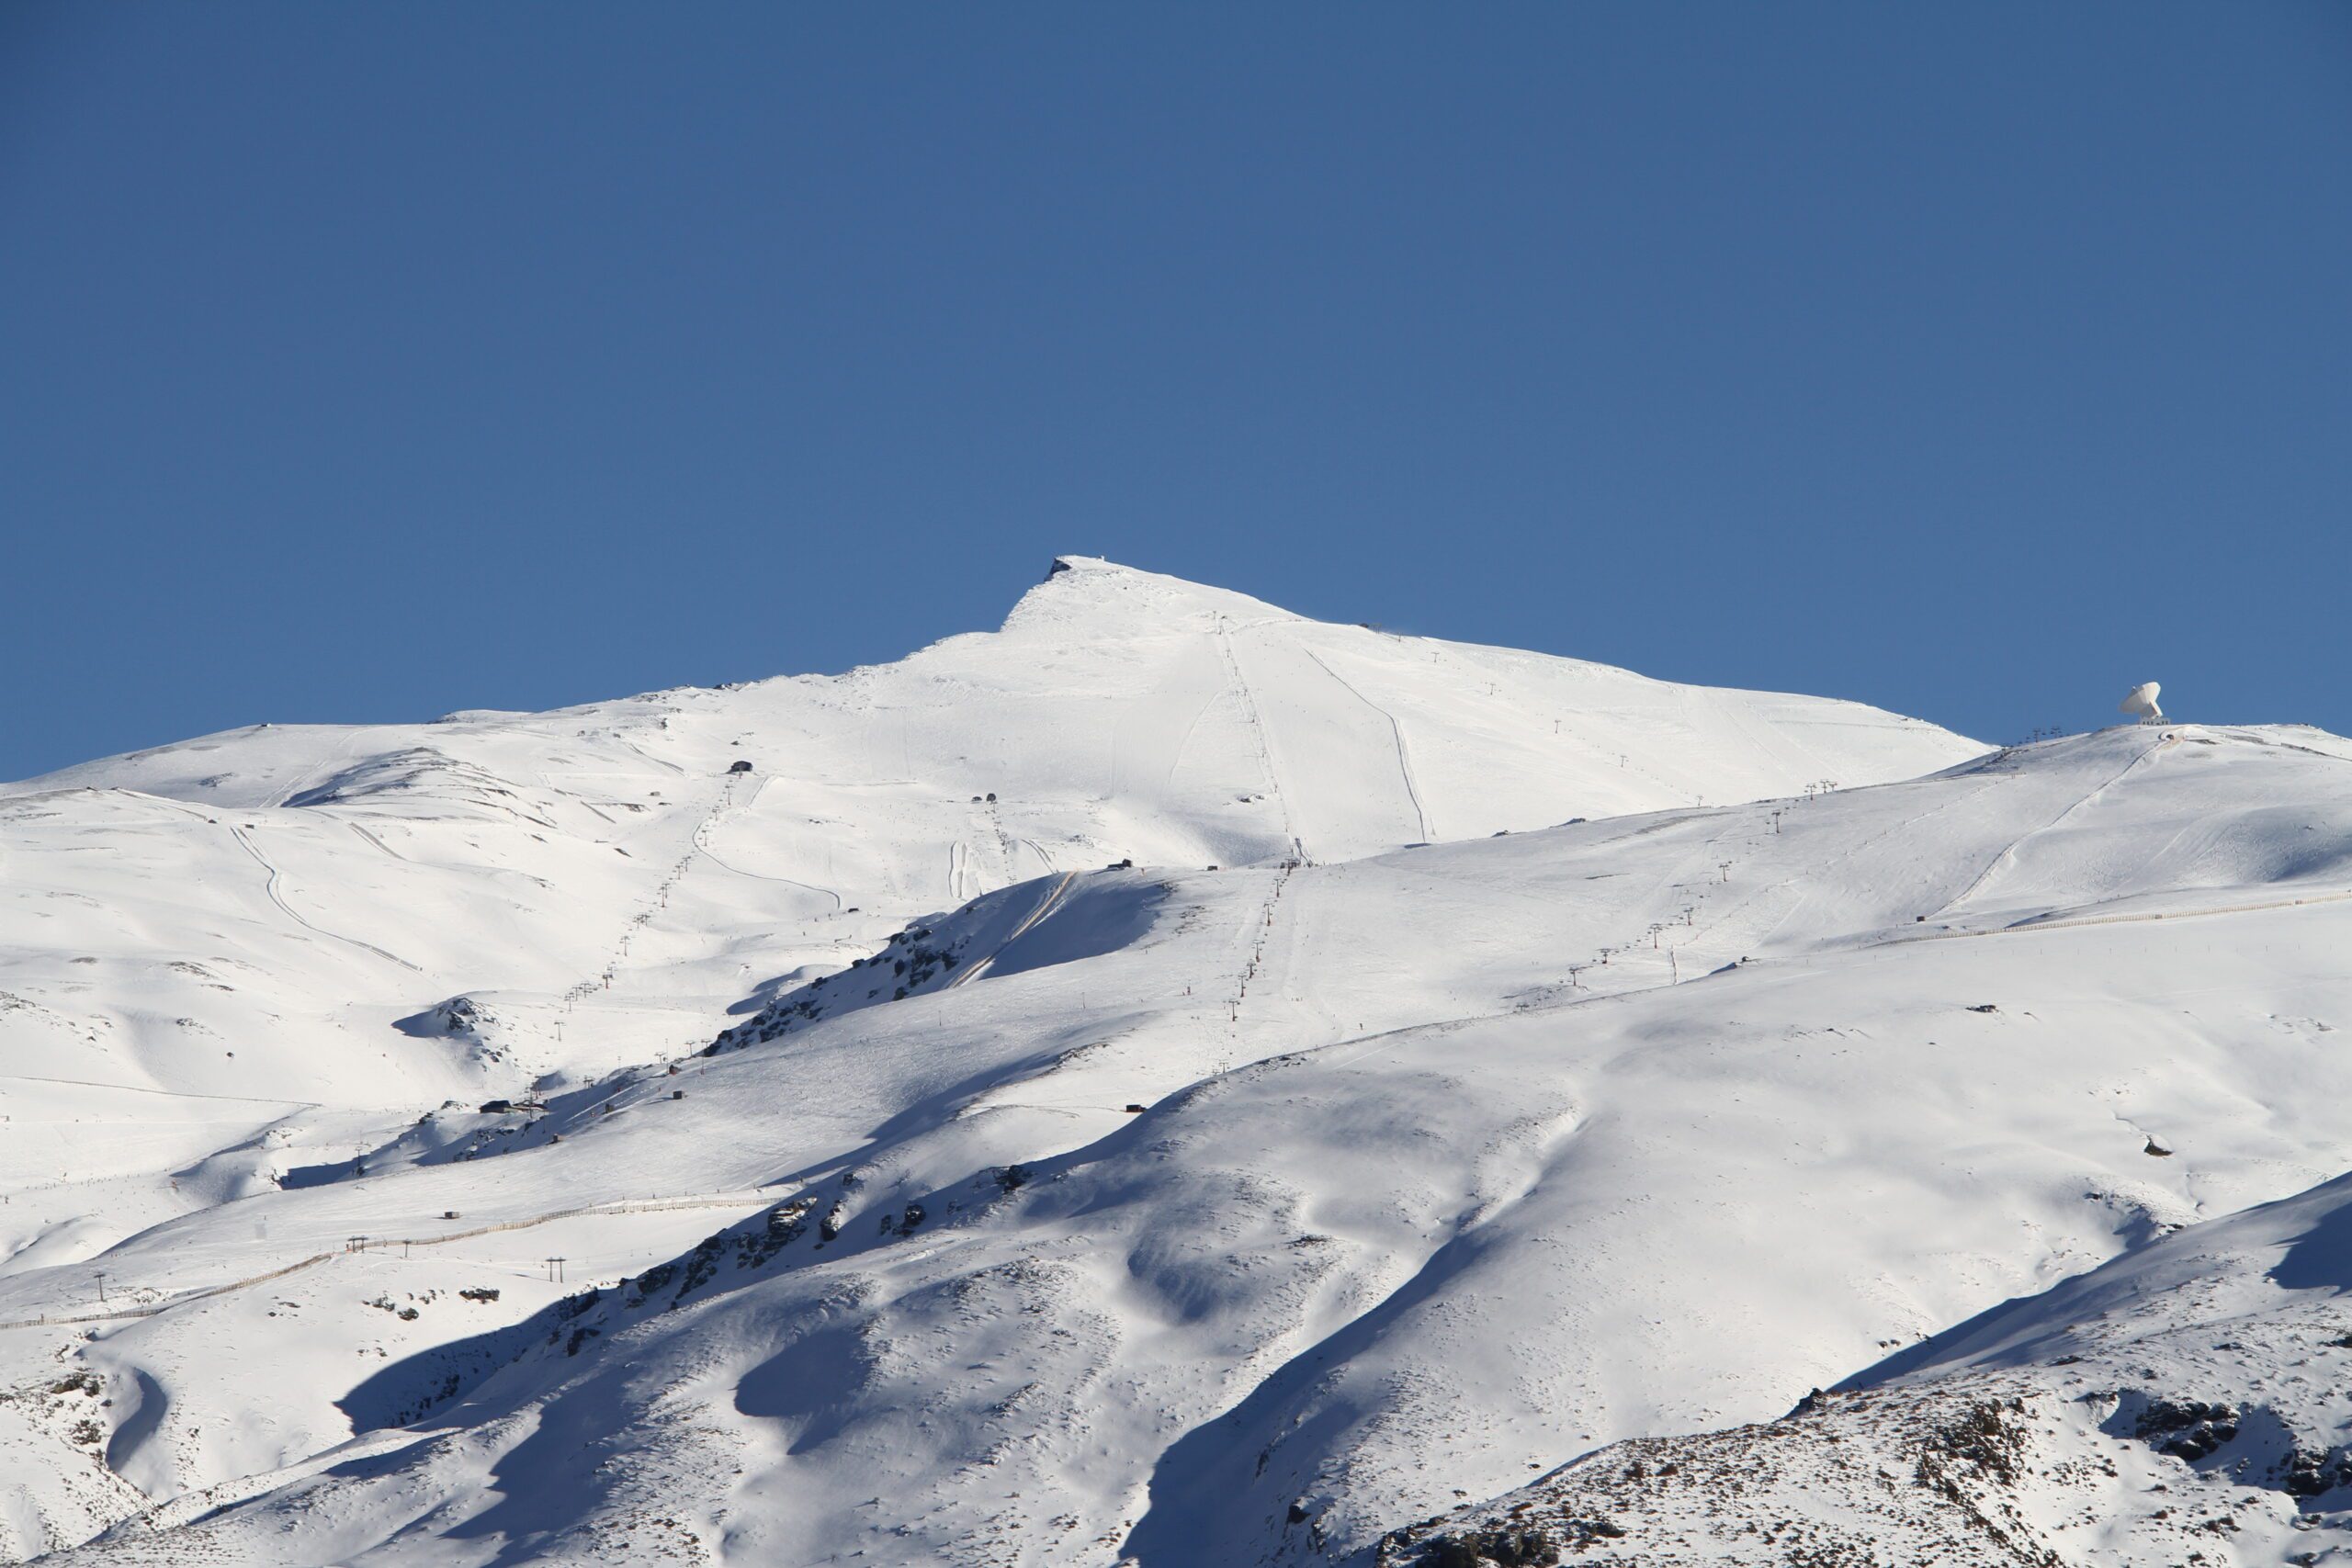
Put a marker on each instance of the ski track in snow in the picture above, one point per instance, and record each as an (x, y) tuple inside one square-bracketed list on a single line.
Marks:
[(1446, 1215), (270, 886), (702, 843), (2008, 856), (1046, 905), (1404, 759)]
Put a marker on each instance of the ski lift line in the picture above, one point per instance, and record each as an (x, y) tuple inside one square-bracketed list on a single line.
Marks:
[(2070, 922), (1008, 846), (1258, 724), (644, 915), (175, 1093), (748, 1198), (1381, 1039), (1817, 871), (161, 1307)]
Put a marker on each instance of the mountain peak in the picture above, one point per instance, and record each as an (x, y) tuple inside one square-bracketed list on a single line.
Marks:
[(1091, 589)]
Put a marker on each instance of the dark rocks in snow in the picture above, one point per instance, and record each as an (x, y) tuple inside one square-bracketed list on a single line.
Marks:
[(702, 1263), (787, 1221), (2189, 1429), (1507, 1547), (653, 1279), (2309, 1475), (1984, 1006), (1987, 1436), (910, 957), (461, 1019), (2156, 1149)]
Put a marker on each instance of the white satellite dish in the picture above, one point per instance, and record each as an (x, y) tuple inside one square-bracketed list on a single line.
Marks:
[(2139, 702)]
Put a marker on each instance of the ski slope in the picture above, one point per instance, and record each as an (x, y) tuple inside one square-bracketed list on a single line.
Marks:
[(601, 879), (1049, 1210), (1406, 1217), (2185, 1403), (228, 960)]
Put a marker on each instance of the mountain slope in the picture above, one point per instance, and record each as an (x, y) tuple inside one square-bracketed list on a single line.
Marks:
[(2186, 1402), (1460, 1162), (245, 958), (606, 873)]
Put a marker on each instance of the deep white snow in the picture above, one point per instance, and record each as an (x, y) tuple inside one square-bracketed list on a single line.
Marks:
[(1469, 1142)]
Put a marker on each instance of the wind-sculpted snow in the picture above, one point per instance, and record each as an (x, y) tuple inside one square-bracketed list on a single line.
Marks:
[(2190, 1401), (250, 913), (1149, 1085), (1454, 1163), (1056, 919)]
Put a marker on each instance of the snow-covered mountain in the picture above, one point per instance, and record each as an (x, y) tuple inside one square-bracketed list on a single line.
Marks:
[(240, 952), (1338, 1080), (2186, 1404), (598, 879)]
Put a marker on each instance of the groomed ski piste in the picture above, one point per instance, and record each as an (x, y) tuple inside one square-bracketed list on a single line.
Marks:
[(1178, 1084)]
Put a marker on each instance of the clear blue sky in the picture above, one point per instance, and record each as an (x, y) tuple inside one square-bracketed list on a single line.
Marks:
[(368, 361)]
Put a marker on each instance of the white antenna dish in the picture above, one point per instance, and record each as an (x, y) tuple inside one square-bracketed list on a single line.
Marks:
[(2139, 702)]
